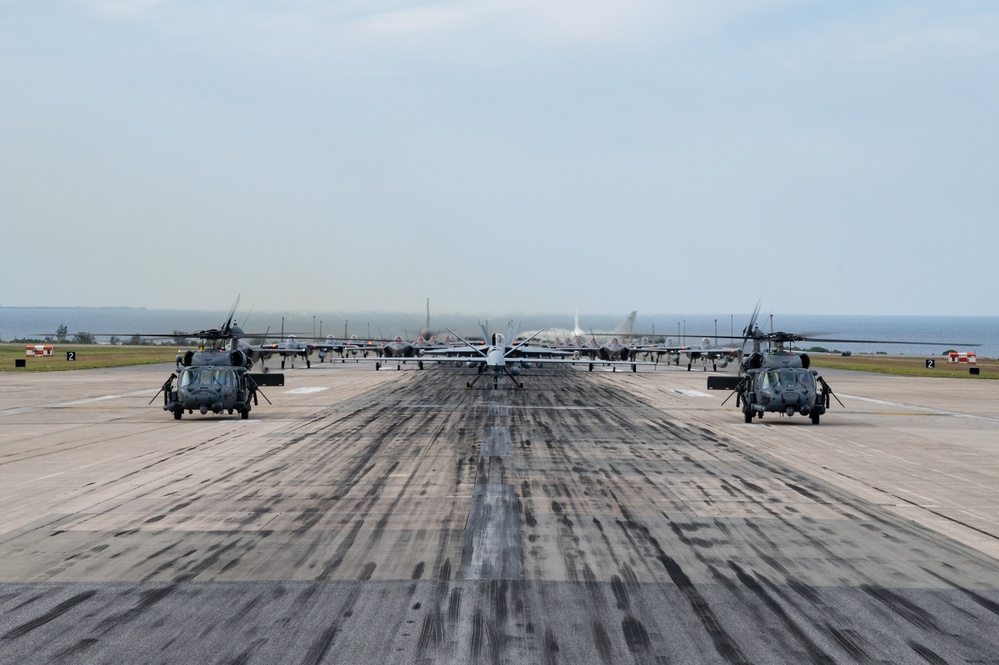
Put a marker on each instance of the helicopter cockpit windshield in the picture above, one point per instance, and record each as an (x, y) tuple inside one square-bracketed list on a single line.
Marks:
[(799, 379), (207, 377)]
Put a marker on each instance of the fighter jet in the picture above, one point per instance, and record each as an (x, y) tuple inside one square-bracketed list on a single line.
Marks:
[(707, 352)]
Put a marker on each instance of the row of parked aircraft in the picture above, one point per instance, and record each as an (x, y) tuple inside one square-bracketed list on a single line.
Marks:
[(216, 378), (619, 345)]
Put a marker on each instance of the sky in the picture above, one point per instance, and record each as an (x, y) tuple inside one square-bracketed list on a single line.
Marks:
[(501, 156)]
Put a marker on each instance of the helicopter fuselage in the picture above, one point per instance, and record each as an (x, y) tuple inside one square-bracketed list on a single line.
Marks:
[(782, 383), (210, 380)]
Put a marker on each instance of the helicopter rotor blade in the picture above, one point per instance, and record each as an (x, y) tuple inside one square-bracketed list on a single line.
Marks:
[(232, 312)]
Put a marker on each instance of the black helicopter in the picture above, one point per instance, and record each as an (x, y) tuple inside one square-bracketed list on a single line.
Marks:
[(779, 381), (776, 380), (216, 377)]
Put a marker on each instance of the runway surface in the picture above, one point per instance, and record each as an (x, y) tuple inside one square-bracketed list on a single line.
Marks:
[(394, 516)]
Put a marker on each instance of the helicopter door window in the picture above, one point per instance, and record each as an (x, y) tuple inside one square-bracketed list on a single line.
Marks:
[(806, 380), (771, 379)]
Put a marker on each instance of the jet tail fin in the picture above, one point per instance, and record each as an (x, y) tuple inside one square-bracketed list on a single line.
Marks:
[(627, 326)]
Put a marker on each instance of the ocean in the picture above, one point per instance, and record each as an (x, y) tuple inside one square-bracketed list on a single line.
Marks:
[(945, 332)]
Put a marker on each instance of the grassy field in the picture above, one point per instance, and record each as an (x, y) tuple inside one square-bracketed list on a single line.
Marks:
[(88, 356), (908, 366)]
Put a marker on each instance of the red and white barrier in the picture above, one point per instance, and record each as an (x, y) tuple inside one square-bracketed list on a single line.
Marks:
[(38, 350), (962, 357)]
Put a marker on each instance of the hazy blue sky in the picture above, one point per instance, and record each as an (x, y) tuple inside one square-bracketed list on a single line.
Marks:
[(501, 156)]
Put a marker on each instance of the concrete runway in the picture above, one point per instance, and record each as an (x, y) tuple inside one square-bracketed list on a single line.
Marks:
[(394, 516)]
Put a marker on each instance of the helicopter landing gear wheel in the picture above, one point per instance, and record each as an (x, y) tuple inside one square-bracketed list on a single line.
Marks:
[(244, 414), (178, 413), (748, 415), (815, 418), (688, 366)]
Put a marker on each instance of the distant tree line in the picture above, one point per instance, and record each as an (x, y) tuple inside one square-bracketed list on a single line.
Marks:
[(62, 336)]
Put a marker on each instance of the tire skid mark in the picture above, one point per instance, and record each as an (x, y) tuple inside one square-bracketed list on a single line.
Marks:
[(814, 652), (979, 599), (901, 606), (147, 598), (49, 616)]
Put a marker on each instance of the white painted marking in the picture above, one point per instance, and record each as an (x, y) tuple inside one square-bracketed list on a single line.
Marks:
[(923, 409), (78, 402), (304, 391), (692, 393)]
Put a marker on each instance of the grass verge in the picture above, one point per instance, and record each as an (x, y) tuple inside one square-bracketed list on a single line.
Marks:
[(88, 356), (909, 366)]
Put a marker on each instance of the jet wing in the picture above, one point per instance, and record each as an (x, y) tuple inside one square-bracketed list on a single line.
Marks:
[(583, 361), (532, 351), (450, 351)]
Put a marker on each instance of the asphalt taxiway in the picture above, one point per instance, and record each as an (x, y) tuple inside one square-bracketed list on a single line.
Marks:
[(394, 516)]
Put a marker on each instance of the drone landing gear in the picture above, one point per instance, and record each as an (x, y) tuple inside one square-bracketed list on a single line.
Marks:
[(518, 384), (478, 375)]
